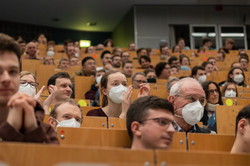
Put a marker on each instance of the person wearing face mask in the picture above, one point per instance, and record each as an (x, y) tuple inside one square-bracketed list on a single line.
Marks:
[(214, 98), (229, 90), (199, 73), (66, 114), (93, 93), (188, 98), (235, 75), (150, 75), (116, 95), (28, 85)]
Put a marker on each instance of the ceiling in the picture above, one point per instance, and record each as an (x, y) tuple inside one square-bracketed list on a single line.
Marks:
[(74, 14)]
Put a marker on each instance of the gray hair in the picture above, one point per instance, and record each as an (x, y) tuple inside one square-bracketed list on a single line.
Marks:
[(177, 87), (168, 85), (138, 73)]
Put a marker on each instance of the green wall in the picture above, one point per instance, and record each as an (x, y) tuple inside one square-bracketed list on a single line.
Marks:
[(123, 34)]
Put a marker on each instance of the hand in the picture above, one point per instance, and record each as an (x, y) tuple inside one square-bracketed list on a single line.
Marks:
[(108, 66), (126, 101), (38, 95), (21, 112), (144, 90), (50, 99)]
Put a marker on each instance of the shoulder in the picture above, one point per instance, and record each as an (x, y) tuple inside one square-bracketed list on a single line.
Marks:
[(96, 112), (202, 130)]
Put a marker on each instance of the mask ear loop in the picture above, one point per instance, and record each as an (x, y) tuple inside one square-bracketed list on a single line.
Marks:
[(179, 116)]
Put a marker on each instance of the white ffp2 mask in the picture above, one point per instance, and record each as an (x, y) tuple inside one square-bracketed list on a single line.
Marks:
[(192, 112), (29, 90), (116, 93)]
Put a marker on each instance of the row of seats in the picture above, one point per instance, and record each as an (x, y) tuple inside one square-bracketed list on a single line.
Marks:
[(225, 117), (39, 155)]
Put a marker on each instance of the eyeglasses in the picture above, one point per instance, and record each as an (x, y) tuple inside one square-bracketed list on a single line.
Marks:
[(164, 122), (212, 91), (140, 81), (192, 99), (25, 83)]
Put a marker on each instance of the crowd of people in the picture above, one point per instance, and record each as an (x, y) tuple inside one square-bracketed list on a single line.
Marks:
[(151, 121)]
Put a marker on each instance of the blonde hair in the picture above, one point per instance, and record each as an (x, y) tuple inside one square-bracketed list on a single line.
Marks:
[(24, 73)]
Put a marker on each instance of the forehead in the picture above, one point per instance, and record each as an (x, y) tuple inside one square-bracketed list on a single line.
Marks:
[(128, 65), (125, 53), (231, 86), (31, 44), (70, 109), (212, 86), (117, 58), (237, 71), (73, 59), (107, 55), (8, 59), (89, 61), (192, 88), (60, 81), (151, 73), (28, 77), (139, 76), (64, 61), (116, 77), (160, 113)]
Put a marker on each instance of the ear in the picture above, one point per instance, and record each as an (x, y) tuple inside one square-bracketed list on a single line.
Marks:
[(242, 126), (171, 99), (231, 76), (104, 91), (136, 129), (52, 122)]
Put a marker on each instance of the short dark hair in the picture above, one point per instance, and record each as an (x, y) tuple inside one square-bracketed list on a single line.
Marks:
[(8, 43), (159, 68), (86, 59), (136, 74), (195, 70), (147, 58), (204, 64), (115, 56), (139, 50), (244, 56), (205, 40), (52, 79), (105, 52), (125, 62), (149, 70), (182, 56), (171, 59), (210, 58), (244, 113), (138, 110), (162, 46)]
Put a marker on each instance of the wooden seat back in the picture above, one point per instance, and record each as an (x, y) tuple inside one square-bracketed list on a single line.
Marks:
[(210, 142)]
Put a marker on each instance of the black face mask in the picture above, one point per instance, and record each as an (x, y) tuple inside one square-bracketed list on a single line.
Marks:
[(151, 80)]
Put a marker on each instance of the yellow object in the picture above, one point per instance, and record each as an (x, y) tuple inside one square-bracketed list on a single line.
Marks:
[(82, 103), (229, 102)]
